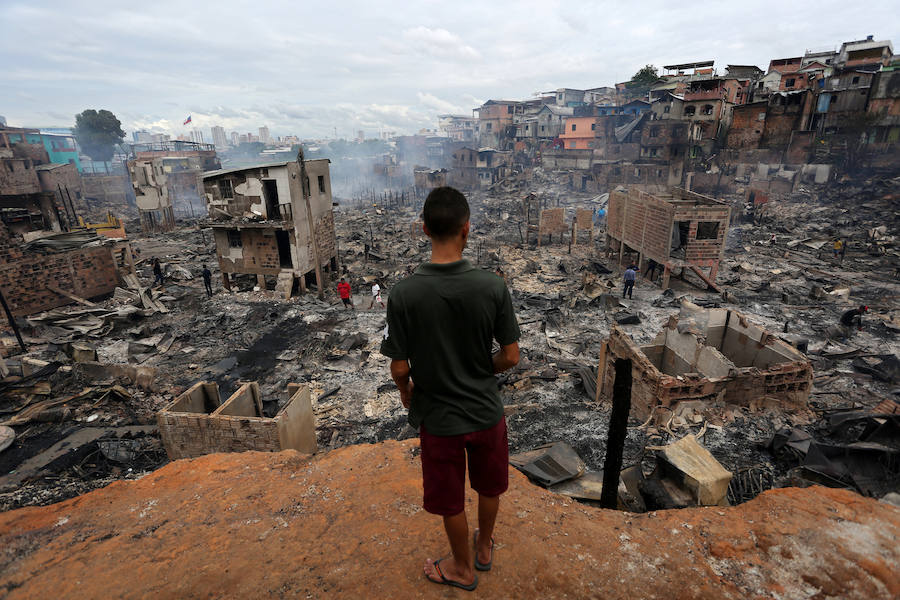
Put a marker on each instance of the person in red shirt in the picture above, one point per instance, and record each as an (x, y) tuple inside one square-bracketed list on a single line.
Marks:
[(343, 289)]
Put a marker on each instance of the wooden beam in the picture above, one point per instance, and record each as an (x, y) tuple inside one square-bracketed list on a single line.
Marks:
[(601, 372), (705, 279), (70, 296)]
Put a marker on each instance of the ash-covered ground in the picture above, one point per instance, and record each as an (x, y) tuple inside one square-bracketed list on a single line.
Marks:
[(251, 335)]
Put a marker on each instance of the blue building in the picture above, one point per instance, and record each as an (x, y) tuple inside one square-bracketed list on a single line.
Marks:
[(60, 147)]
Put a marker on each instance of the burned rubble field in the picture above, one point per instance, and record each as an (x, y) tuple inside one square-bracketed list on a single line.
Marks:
[(792, 284)]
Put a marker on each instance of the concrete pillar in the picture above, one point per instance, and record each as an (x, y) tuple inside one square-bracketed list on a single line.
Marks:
[(261, 281), (664, 281)]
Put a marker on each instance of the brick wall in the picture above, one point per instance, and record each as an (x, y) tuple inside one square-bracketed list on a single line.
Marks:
[(64, 176), (647, 173), (258, 252), (35, 152), (191, 435), (800, 147), (704, 252), (325, 237), (109, 192), (642, 221), (664, 140), (778, 128), (238, 204), (17, 176), (552, 221), (584, 218), (195, 424), (64, 184), (746, 129), (24, 276), (615, 214), (788, 383)]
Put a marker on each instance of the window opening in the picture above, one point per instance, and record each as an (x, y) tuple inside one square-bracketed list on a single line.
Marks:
[(707, 230)]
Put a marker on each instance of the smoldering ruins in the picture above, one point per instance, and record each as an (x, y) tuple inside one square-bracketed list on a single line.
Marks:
[(726, 192)]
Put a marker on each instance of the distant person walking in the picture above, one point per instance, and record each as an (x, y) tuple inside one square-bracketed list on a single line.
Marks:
[(344, 291), (442, 322), (838, 247), (630, 276), (376, 295), (157, 272), (207, 281)]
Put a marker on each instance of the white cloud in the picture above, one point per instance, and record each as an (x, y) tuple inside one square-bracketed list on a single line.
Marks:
[(439, 43), (364, 65), (433, 102)]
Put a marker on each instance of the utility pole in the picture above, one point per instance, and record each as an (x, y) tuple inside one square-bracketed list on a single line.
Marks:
[(304, 187)]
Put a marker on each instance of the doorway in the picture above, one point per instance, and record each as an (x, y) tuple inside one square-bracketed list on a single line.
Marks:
[(284, 249), (270, 190)]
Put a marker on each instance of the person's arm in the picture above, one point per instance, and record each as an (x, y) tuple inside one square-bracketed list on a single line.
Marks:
[(400, 374), (506, 332), (506, 358)]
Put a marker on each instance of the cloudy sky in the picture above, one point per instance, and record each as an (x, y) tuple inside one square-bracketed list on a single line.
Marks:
[(316, 69)]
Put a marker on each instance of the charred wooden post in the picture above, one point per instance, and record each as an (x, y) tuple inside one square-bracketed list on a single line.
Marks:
[(12, 322), (618, 429)]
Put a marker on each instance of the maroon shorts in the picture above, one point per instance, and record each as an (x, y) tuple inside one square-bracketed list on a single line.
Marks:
[(444, 467)]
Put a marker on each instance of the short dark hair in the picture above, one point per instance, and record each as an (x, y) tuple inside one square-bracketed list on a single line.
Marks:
[(446, 211)]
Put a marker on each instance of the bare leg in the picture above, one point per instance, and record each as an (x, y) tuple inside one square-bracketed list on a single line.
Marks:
[(459, 566), (487, 515)]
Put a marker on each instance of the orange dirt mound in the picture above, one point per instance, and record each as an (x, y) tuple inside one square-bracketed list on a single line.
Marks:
[(349, 524)]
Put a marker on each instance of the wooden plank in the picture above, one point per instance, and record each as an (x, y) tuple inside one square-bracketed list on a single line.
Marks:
[(70, 296), (705, 279), (601, 371)]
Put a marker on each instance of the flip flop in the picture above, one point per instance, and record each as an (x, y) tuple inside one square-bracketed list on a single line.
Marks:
[(478, 565), (444, 581)]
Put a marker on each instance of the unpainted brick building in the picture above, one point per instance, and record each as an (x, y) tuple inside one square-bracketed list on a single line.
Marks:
[(28, 276), (677, 229), (198, 422), (714, 356)]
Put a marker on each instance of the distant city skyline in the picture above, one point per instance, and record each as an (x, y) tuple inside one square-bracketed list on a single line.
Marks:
[(243, 67)]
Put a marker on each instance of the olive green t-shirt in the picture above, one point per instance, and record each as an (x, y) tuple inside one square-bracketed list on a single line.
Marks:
[(443, 319)]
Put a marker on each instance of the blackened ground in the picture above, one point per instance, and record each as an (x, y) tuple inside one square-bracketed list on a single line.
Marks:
[(39, 438), (561, 411), (84, 469)]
